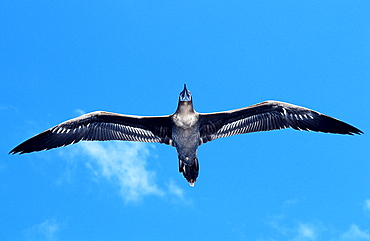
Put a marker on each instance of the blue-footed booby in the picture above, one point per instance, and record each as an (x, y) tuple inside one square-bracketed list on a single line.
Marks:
[(186, 129)]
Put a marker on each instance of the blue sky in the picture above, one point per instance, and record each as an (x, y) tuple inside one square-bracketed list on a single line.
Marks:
[(60, 59)]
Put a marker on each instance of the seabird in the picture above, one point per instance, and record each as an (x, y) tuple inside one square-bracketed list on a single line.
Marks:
[(186, 129)]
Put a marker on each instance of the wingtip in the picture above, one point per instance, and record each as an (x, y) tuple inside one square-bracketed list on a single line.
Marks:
[(359, 132), (356, 132), (17, 150), (13, 152)]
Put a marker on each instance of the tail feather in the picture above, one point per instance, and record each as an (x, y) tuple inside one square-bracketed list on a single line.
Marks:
[(190, 172)]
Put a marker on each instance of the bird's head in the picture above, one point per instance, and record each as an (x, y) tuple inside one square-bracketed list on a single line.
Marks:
[(185, 95)]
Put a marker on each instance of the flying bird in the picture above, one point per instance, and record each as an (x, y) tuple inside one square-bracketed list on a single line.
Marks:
[(185, 129)]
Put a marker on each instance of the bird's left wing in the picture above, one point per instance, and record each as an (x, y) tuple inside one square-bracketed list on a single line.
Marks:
[(268, 115), (101, 126)]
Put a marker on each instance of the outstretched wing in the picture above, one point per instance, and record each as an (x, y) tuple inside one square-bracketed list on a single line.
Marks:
[(269, 115), (100, 126)]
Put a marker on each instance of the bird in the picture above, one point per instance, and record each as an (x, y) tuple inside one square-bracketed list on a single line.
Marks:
[(185, 129)]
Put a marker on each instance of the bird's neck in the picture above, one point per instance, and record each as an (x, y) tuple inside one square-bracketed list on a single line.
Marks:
[(185, 107)]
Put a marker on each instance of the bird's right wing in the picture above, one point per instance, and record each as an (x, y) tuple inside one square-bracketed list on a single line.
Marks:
[(101, 126), (269, 115)]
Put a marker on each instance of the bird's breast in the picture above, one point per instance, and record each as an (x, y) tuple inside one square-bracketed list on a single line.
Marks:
[(185, 121), (185, 132)]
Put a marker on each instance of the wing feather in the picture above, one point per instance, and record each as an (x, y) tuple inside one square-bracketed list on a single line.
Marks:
[(100, 126), (266, 116)]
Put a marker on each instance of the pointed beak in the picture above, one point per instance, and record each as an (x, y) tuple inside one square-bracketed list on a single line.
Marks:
[(185, 95)]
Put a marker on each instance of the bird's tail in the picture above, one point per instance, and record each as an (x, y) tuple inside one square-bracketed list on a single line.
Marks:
[(190, 172)]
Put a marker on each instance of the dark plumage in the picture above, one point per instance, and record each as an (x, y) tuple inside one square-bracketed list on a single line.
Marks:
[(185, 129)]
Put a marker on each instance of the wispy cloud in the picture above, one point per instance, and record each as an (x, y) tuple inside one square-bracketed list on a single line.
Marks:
[(43, 231), (296, 231), (290, 202), (176, 190), (306, 231), (177, 193), (354, 233), (79, 111), (124, 164), (315, 230)]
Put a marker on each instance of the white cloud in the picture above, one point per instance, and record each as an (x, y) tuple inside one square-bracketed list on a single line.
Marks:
[(354, 233), (124, 164), (290, 202), (79, 111), (316, 230), (43, 231), (175, 190), (307, 231), (177, 193), (295, 231)]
